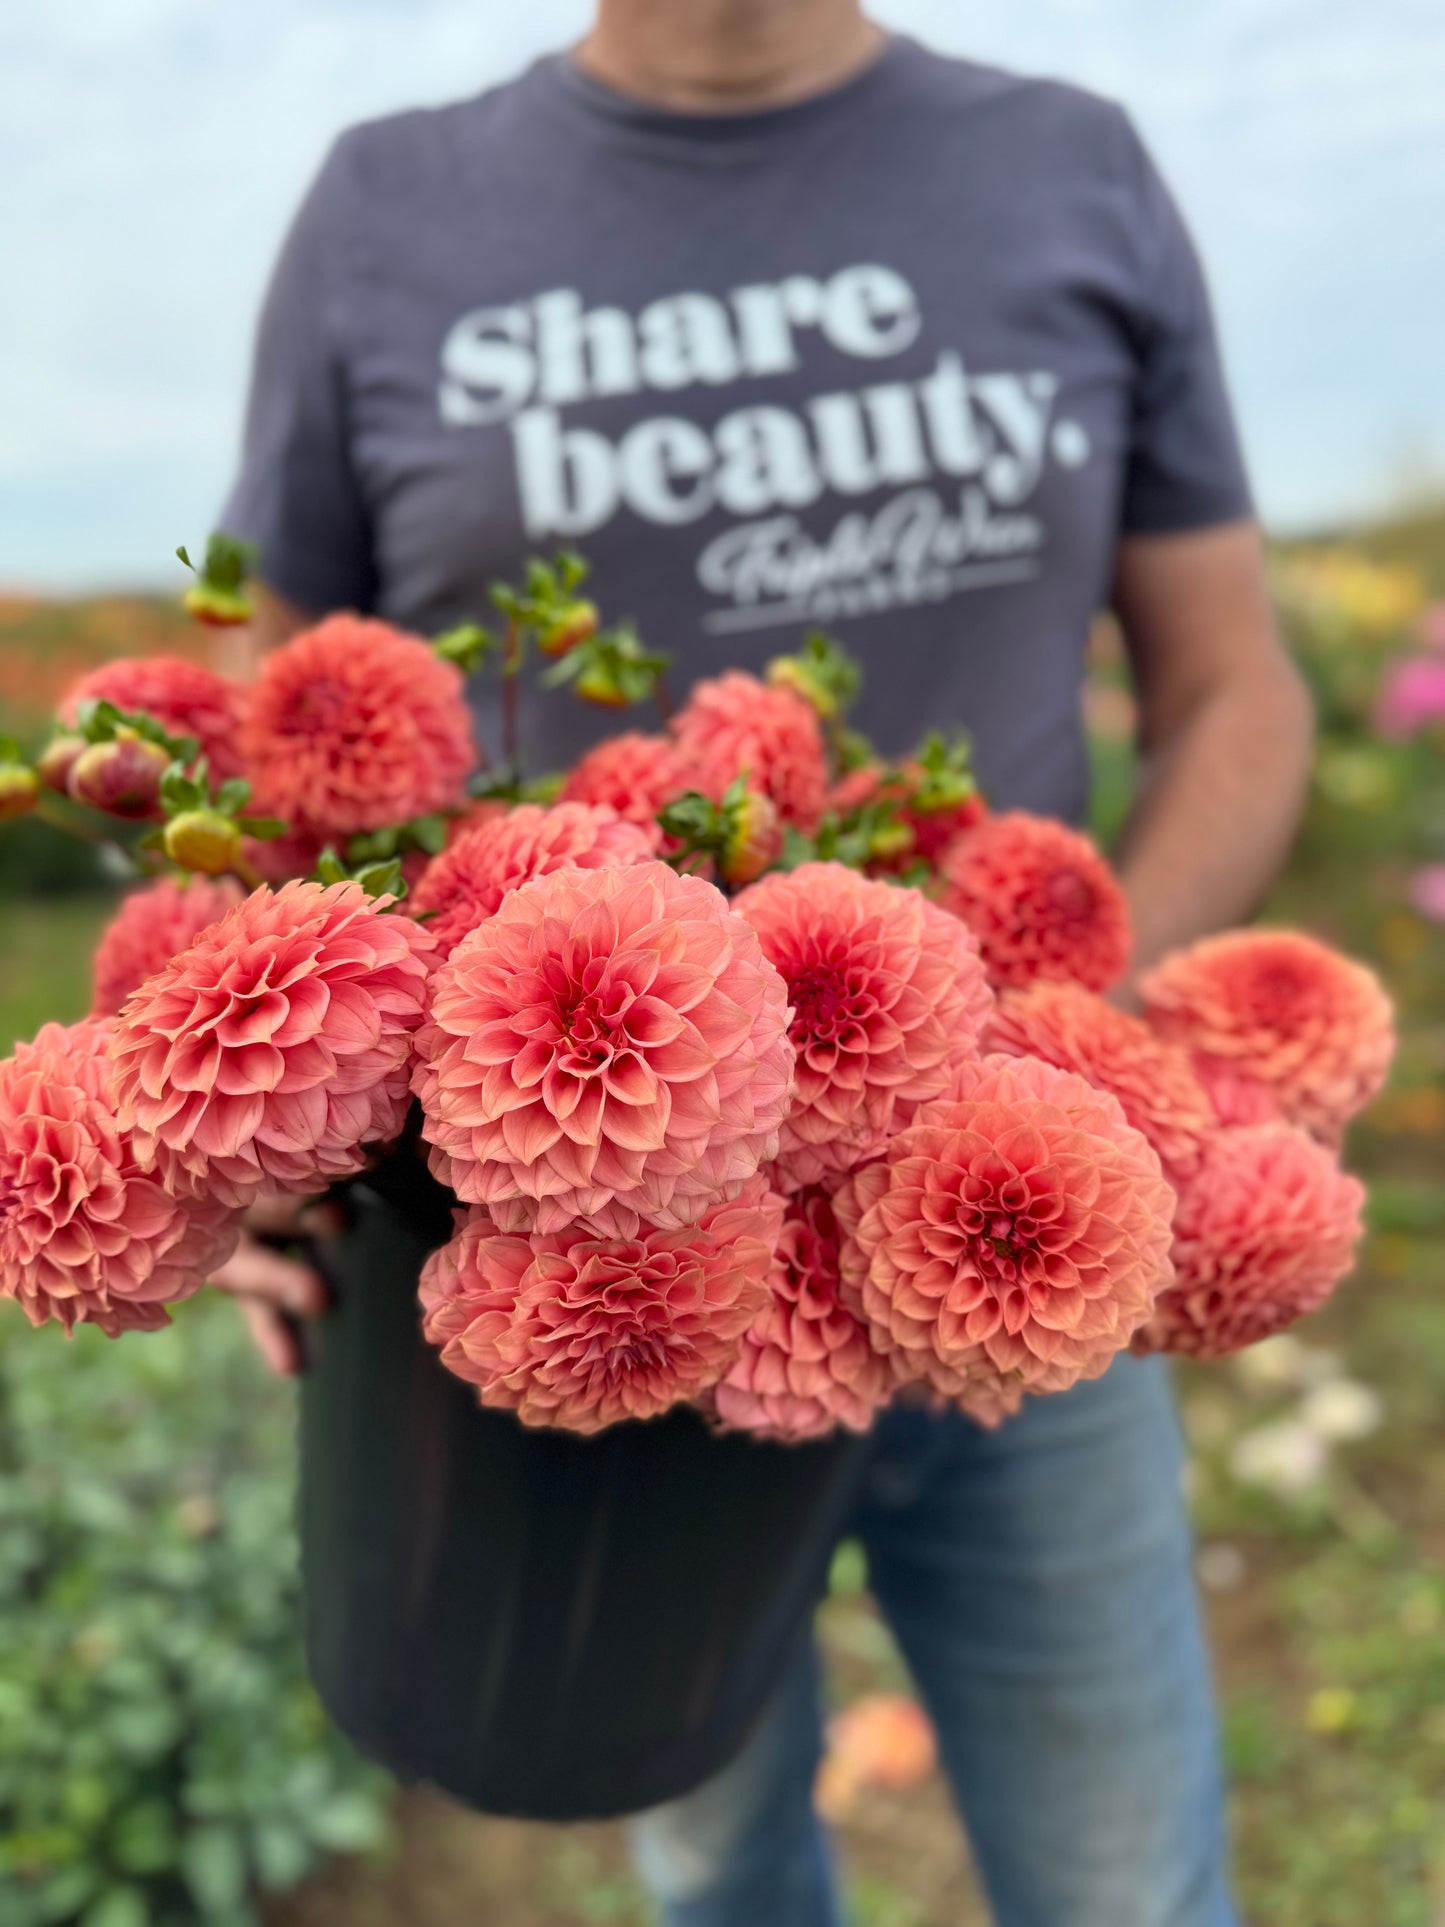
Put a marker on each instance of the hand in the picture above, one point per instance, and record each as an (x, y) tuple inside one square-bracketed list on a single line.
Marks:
[(272, 1289)]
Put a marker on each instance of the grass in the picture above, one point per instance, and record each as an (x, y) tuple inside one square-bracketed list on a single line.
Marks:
[(45, 950)]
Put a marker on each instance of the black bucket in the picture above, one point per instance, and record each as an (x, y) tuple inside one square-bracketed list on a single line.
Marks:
[(543, 1625)]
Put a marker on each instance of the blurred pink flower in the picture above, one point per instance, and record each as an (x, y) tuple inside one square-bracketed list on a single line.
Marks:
[(1041, 900), (1430, 628), (185, 698), (1265, 1231), (466, 883), (1412, 697), (1283, 1008), (1427, 891), (735, 725), (150, 928)]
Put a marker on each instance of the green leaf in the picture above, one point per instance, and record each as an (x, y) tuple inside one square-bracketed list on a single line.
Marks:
[(117, 1907), (429, 833), (467, 646), (330, 868), (180, 792), (372, 846), (282, 1853), (65, 1893), (184, 557), (347, 1823), (9, 750), (213, 1861), (234, 794), (265, 829), (382, 879)]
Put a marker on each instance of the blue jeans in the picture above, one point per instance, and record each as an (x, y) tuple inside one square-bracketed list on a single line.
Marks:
[(1039, 1582)]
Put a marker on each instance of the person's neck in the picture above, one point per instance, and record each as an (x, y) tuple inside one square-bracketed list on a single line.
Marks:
[(727, 56)]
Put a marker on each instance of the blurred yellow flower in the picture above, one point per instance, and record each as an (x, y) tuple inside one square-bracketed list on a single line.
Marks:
[(1332, 1709), (1345, 594)]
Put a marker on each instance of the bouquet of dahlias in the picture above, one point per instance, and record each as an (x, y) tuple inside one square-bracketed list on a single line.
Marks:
[(768, 1075)]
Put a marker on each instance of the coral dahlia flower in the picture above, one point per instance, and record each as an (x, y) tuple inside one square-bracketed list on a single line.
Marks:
[(86, 1236), (1264, 1233), (735, 725), (635, 774), (1012, 1239), (1235, 1095), (806, 1365), (1041, 900), (185, 698), (610, 1045), (1065, 1024), (574, 1330), (1311, 1025), (888, 997), (468, 880), (265, 1057), (150, 927), (354, 725)]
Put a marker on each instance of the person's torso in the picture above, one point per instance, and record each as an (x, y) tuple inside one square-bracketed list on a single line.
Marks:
[(864, 364)]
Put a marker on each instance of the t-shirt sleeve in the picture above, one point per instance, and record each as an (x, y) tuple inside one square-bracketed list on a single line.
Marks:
[(297, 495), (1185, 469)]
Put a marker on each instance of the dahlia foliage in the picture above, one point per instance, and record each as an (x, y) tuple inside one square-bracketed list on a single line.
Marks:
[(771, 1076)]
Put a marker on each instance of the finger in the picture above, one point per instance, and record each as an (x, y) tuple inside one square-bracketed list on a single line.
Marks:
[(277, 1217), (325, 1218), (258, 1272), (275, 1340)]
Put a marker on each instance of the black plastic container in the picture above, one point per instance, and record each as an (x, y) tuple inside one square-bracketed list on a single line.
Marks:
[(543, 1625)]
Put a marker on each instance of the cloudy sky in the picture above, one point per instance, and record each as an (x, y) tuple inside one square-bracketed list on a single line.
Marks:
[(151, 152)]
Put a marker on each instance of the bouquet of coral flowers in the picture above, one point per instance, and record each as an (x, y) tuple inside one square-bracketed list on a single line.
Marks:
[(768, 1075)]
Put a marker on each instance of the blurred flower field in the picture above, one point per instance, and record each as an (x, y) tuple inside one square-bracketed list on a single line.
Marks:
[(1318, 1471)]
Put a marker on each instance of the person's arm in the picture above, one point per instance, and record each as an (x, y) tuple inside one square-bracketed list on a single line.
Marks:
[(238, 652), (1225, 730)]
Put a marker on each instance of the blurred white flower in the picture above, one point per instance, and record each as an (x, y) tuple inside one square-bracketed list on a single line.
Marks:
[(1342, 1409), (1220, 1566), (1276, 1364), (1286, 1458)]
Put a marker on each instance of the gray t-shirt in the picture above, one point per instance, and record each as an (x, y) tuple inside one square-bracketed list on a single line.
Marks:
[(904, 360)]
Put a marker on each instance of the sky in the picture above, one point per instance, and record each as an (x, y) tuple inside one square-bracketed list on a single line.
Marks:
[(151, 152)]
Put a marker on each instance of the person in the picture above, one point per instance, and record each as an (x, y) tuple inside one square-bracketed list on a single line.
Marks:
[(783, 320)]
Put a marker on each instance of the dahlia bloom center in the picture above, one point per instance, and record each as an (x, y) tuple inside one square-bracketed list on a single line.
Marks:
[(1070, 896), (831, 1004)]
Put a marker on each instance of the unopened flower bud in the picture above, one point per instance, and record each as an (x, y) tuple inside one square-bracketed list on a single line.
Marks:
[(19, 788), (121, 777), (889, 842), (789, 672), (58, 760), (216, 607), (597, 684), (754, 839), (577, 623), (203, 840)]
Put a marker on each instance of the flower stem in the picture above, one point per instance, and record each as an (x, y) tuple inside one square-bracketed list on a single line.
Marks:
[(70, 825), (511, 665)]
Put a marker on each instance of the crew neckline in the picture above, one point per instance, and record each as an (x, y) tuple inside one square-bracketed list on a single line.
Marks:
[(708, 136)]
